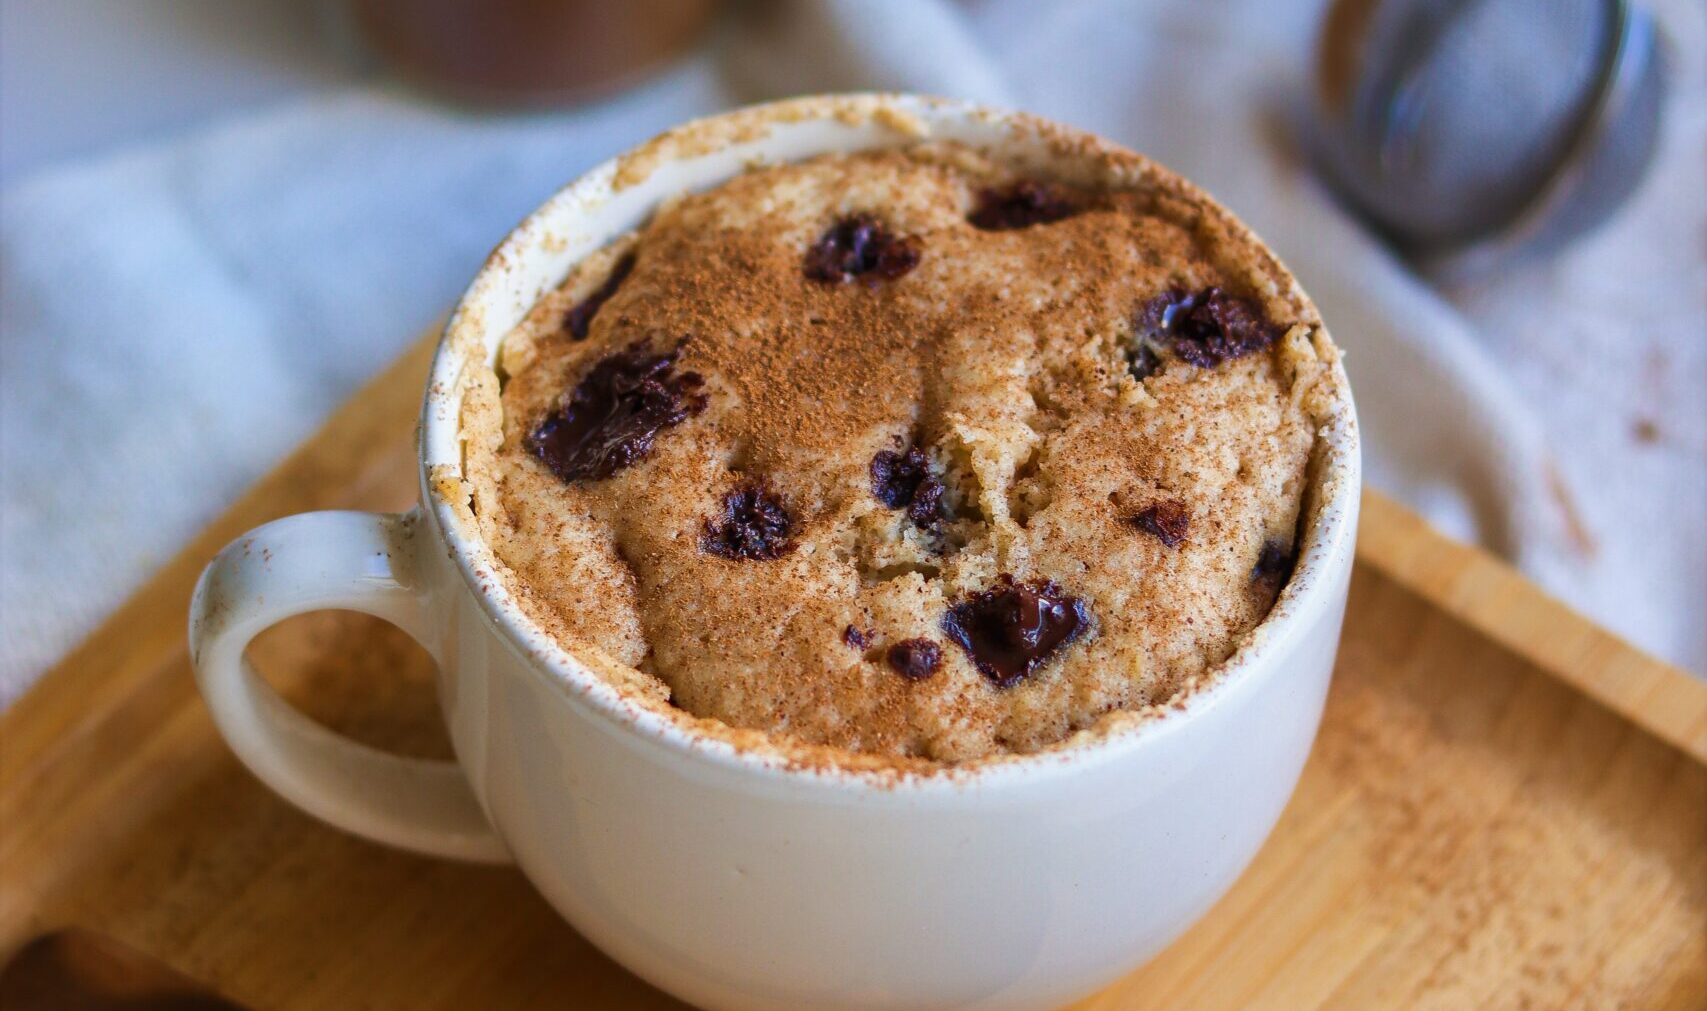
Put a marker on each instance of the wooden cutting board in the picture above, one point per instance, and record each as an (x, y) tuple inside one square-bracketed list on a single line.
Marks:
[(1507, 806)]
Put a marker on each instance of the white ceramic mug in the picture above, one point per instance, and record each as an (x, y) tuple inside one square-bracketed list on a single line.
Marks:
[(728, 876)]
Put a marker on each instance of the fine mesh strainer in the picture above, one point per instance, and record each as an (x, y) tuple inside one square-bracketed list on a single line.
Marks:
[(1476, 132)]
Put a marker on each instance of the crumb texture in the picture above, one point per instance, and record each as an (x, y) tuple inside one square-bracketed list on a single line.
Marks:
[(934, 460)]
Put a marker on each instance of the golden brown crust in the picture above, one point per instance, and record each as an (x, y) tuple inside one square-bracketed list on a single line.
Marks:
[(1004, 354)]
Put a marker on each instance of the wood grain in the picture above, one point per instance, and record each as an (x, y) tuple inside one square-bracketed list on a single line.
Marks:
[(1496, 600), (1507, 806)]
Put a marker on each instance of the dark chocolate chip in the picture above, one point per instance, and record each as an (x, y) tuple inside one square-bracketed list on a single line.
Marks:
[(1025, 204), (905, 480), (927, 507), (1142, 361), (1010, 629), (861, 247), (854, 638), (755, 526), (580, 319), (614, 414), (895, 477), (1207, 327), (1274, 565), (915, 659), (1168, 521)]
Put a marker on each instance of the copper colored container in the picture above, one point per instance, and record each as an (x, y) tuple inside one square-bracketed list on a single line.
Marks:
[(531, 52)]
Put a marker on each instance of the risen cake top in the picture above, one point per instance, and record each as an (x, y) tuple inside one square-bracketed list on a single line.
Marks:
[(905, 454)]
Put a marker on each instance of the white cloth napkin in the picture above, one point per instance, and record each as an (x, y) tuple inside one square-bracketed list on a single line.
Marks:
[(173, 319)]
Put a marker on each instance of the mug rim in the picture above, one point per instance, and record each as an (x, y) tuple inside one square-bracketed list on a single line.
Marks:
[(1325, 545)]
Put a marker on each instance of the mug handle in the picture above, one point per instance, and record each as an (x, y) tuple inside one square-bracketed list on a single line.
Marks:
[(315, 561)]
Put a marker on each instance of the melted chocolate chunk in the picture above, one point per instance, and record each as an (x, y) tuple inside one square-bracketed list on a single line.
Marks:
[(854, 638), (755, 526), (1142, 361), (1027, 203), (1207, 327), (915, 659), (927, 508), (861, 247), (905, 480), (614, 414), (895, 476), (1010, 629), (580, 319), (1274, 566), (1167, 521)]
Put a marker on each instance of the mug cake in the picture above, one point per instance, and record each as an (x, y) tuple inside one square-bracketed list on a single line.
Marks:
[(911, 453)]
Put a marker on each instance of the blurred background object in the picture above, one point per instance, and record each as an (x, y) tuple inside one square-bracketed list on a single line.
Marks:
[(1475, 134), (217, 220), (528, 51)]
